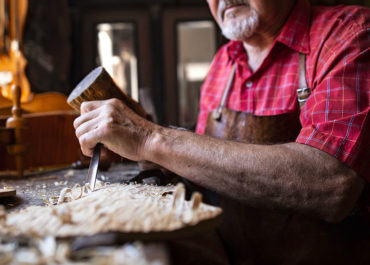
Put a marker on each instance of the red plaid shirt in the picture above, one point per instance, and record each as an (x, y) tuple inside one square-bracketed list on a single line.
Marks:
[(335, 118)]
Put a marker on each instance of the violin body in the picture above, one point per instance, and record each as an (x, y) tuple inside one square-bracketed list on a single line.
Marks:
[(43, 124)]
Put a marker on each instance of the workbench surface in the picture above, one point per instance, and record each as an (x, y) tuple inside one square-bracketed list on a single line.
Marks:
[(31, 190)]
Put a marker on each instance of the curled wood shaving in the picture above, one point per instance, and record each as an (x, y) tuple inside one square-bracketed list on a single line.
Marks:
[(63, 194), (79, 188), (68, 195), (87, 189)]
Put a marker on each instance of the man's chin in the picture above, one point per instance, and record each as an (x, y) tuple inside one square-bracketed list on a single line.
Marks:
[(236, 35), (240, 30)]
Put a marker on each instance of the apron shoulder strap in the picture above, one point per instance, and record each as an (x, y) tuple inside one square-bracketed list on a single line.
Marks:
[(303, 91), (218, 112)]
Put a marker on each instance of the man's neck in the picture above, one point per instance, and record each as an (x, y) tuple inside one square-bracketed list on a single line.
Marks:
[(258, 46), (257, 52)]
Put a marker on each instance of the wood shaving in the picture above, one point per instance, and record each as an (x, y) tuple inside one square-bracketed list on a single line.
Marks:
[(63, 194), (66, 194), (69, 173), (6, 187), (111, 208)]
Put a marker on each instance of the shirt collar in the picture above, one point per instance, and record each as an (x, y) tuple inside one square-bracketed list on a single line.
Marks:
[(294, 34), (236, 51)]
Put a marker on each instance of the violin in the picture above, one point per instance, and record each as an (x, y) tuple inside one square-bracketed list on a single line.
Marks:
[(32, 131), (12, 62)]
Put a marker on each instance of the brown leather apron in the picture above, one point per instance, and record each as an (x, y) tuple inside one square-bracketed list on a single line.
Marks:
[(254, 236)]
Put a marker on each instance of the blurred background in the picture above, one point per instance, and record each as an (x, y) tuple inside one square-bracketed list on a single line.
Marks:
[(158, 51)]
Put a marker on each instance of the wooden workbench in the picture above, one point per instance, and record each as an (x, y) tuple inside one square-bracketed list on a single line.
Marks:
[(31, 190)]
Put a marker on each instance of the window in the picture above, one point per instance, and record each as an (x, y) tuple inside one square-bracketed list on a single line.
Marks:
[(116, 53), (196, 47)]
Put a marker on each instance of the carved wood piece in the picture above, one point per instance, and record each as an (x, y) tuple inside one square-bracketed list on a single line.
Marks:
[(130, 210)]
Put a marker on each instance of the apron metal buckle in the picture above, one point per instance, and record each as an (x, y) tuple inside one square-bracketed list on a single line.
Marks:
[(217, 114), (303, 94)]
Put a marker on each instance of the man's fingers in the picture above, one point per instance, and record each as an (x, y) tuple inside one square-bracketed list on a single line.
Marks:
[(88, 142), (87, 126), (85, 117), (88, 106)]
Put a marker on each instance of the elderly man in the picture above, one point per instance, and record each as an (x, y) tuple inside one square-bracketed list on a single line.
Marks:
[(289, 98)]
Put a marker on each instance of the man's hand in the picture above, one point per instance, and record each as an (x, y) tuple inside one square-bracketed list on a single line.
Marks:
[(115, 125)]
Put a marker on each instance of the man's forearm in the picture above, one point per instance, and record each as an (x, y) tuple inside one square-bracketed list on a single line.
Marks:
[(287, 177)]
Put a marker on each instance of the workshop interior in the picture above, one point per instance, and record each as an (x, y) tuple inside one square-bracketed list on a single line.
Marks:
[(54, 55)]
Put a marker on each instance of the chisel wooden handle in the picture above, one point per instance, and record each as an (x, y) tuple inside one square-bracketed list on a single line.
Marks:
[(99, 85)]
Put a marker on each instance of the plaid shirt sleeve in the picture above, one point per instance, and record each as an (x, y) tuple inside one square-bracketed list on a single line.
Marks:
[(336, 118)]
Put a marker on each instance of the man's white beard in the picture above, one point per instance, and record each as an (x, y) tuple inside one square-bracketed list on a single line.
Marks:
[(241, 29)]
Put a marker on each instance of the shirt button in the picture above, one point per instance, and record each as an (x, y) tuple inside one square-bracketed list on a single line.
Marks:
[(249, 84)]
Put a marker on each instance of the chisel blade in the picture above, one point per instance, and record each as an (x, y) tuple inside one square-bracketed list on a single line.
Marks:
[(93, 168)]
